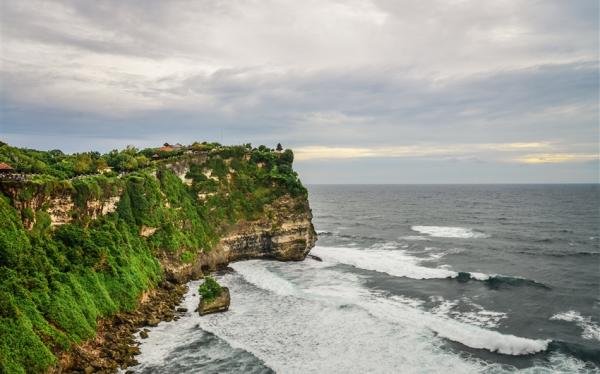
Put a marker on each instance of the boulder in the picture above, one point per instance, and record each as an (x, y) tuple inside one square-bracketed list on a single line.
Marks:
[(218, 304), (152, 321)]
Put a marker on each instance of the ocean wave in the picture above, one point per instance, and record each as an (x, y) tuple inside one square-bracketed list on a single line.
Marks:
[(397, 309), (263, 278), (466, 334), (575, 254), (414, 237), (477, 315), (498, 281), (398, 263), (591, 331), (324, 233), (449, 232), (392, 262), (578, 351)]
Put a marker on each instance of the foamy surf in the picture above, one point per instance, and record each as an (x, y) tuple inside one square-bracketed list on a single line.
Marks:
[(396, 262), (393, 262), (476, 315), (449, 232), (590, 330), (403, 309), (317, 319)]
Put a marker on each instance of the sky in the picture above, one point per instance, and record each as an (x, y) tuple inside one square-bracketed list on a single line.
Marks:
[(363, 91)]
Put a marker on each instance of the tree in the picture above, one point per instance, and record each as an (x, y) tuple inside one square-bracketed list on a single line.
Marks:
[(279, 147)]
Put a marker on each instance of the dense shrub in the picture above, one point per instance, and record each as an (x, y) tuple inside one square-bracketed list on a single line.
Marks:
[(210, 289)]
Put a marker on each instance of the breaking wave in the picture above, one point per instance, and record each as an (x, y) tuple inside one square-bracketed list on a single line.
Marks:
[(449, 232), (591, 331), (400, 264), (397, 310), (499, 281), (469, 335), (263, 278)]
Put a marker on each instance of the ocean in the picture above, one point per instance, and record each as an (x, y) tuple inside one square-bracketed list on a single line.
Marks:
[(413, 279)]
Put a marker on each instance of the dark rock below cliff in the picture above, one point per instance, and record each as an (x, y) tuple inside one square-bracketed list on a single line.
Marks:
[(218, 304)]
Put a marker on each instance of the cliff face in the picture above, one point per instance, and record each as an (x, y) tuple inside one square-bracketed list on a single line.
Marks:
[(285, 233), (75, 251)]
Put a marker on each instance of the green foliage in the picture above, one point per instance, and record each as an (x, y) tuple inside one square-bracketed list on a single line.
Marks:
[(187, 257), (210, 289), (54, 288)]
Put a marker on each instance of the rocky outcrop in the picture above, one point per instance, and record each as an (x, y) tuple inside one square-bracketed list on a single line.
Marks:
[(216, 305), (57, 202), (285, 233)]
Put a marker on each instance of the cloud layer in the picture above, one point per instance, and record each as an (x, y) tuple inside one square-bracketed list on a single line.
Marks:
[(500, 82)]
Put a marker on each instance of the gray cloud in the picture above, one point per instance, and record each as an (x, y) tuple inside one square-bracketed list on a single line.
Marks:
[(353, 74)]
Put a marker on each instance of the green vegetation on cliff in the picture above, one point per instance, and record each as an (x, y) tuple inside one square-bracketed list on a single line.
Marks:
[(73, 250), (209, 289)]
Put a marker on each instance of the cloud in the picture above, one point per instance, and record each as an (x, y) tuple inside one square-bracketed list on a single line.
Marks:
[(557, 158), (337, 79), (439, 151)]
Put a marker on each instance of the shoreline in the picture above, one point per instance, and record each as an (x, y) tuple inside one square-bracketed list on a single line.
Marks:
[(114, 347)]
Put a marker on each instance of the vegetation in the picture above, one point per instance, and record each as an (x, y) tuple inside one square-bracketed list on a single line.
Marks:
[(57, 281), (210, 289)]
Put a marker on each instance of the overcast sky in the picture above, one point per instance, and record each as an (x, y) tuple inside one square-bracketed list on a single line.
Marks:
[(369, 91)]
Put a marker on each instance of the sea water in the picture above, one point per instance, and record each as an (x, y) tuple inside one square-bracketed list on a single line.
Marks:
[(414, 279)]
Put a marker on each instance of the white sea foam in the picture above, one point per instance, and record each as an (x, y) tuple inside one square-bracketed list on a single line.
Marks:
[(326, 321), (393, 262), (414, 237), (405, 310), (590, 329), (449, 232), (477, 315), (263, 278), (466, 334), (396, 262)]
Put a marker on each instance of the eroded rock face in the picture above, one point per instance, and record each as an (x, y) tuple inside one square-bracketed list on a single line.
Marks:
[(286, 233), (218, 304)]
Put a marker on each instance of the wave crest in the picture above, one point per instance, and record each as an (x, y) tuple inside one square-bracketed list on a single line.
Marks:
[(398, 263), (449, 232)]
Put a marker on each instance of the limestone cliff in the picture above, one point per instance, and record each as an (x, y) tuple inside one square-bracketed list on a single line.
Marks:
[(285, 233)]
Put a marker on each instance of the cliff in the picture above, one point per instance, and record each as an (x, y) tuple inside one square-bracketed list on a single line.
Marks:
[(76, 250), (284, 233)]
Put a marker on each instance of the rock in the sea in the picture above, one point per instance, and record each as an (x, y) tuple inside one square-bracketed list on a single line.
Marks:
[(218, 304), (181, 310), (143, 334), (152, 321), (316, 258)]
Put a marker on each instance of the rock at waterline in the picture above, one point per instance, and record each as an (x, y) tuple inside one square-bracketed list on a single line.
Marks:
[(216, 305), (314, 257)]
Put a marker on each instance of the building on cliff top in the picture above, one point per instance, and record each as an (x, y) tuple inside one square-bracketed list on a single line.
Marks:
[(6, 168)]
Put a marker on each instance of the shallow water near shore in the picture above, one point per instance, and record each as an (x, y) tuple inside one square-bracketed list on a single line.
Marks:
[(413, 279)]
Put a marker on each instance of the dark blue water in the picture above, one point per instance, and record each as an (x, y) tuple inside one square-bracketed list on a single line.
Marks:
[(475, 278)]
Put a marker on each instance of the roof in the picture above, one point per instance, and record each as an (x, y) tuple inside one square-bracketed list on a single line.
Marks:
[(5, 166), (166, 148)]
